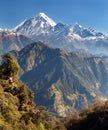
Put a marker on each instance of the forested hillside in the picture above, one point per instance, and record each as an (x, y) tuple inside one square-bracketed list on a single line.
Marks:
[(17, 108)]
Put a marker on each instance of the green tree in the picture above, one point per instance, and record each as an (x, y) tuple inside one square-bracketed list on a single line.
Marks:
[(9, 67)]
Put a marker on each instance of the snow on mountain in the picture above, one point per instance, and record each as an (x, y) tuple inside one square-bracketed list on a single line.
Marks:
[(60, 27), (63, 36), (40, 24), (46, 18), (86, 32)]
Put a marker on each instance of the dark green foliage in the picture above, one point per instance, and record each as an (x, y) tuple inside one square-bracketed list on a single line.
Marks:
[(93, 118), (9, 67)]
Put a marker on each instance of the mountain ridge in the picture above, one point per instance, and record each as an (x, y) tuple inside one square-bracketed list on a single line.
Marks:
[(12, 41), (64, 80)]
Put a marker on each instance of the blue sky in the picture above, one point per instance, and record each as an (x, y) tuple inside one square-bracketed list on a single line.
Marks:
[(88, 13)]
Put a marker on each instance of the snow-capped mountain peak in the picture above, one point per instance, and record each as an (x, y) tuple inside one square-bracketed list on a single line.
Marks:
[(40, 24), (46, 18)]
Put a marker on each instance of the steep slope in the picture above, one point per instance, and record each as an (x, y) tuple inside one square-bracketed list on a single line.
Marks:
[(12, 41), (17, 108), (16, 100), (67, 37), (63, 81)]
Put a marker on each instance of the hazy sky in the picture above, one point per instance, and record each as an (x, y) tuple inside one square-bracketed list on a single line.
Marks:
[(89, 13)]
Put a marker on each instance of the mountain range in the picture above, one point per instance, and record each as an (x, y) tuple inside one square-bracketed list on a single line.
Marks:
[(63, 81), (57, 35), (67, 37), (19, 112)]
